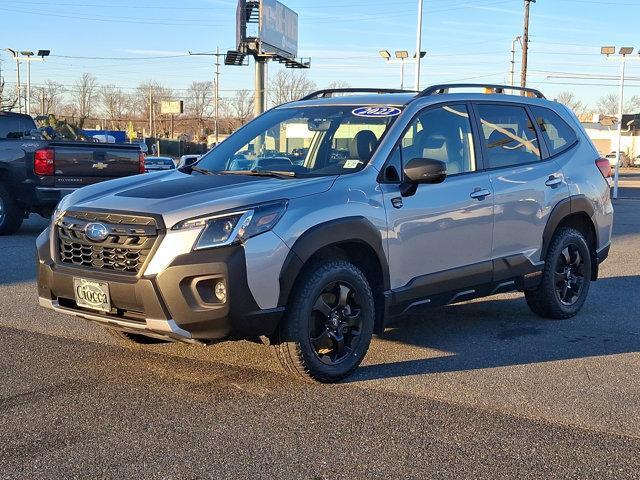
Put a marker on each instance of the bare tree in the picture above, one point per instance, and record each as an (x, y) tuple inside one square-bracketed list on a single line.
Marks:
[(84, 97), (339, 84), (150, 94), (609, 104), (8, 101), (48, 98), (200, 96), (241, 106), (289, 85), (571, 101), (114, 104)]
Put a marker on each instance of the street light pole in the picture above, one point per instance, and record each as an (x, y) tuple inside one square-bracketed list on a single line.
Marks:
[(513, 58), (616, 174), (401, 57), (18, 86), (418, 46), (28, 57), (623, 56)]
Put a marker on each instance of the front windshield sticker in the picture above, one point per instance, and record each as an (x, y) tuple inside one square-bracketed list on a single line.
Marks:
[(373, 111), (352, 164)]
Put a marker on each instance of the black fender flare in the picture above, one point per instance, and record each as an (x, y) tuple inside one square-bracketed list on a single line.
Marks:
[(331, 233), (565, 208)]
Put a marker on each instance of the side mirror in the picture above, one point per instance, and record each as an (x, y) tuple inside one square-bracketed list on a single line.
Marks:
[(422, 170)]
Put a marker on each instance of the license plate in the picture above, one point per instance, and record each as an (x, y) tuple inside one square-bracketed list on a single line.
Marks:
[(92, 294)]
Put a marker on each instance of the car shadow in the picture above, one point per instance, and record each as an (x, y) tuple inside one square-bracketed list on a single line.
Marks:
[(502, 331), (17, 252)]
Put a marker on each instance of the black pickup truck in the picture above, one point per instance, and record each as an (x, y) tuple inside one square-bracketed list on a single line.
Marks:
[(35, 173)]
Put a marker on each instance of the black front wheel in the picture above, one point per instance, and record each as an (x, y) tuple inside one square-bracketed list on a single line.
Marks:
[(566, 277), (329, 324)]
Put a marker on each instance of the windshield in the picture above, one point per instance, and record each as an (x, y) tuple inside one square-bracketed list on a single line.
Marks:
[(305, 141)]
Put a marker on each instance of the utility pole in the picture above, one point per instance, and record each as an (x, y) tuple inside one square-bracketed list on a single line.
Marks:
[(217, 92), (513, 57), (216, 87), (525, 43), (150, 112), (418, 46)]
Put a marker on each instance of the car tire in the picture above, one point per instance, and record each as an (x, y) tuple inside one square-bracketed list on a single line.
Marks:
[(135, 338), (566, 277), (11, 214), (329, 323)]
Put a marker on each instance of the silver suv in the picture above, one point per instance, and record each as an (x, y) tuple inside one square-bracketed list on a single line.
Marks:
[(399, 201)]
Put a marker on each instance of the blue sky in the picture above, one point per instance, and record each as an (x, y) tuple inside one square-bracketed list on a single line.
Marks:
[(465, 40)]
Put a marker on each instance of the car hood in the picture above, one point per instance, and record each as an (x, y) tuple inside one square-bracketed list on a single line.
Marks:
[(177, 196)]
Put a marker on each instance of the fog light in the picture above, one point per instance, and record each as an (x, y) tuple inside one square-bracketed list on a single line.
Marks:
[(221, 291)]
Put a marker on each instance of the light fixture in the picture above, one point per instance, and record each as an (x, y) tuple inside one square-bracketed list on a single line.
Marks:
[(608, 50), (27, 53), (402, 54), (422, 54), (220, 291), (626, 50), (385, 54), (44, 53)]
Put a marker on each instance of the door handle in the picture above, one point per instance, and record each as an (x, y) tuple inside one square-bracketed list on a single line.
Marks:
[(397, 202), (480, 193), (553, 180)]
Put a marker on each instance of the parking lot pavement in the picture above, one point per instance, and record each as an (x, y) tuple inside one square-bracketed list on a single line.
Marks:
[(482, 389)]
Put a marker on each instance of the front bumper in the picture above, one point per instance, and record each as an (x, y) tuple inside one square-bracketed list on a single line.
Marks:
[(177, 304)]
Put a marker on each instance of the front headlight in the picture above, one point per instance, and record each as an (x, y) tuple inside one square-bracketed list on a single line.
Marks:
[(234, 227)]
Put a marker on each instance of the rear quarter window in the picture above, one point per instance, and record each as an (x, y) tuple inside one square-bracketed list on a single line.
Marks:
[(557, 134)]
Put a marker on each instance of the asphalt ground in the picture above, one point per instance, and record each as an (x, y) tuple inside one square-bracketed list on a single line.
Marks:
[(482, 389)]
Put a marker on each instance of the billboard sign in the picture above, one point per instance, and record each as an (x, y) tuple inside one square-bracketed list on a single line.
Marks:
[(278, 29), (241, 24), (173, 107)]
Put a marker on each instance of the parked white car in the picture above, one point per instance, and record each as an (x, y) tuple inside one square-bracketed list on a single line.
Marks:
[(613, 159)]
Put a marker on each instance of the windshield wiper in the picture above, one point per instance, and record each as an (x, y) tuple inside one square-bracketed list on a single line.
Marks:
[(261, 173), (203, 171)]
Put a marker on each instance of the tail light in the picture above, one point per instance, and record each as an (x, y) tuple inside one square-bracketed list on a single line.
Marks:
[(141, 167), (604, 166), (44, 162)]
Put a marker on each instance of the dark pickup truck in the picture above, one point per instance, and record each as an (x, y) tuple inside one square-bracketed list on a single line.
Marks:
[(35, 173)]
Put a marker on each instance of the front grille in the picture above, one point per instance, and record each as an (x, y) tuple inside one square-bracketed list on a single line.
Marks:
[(125, 250)]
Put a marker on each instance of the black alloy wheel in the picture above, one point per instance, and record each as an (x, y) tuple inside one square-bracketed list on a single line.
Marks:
[(569, 276), (335, 323)]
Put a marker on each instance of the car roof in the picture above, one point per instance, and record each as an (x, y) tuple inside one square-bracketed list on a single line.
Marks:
[(403, 99), (395, 99), (15, 114)]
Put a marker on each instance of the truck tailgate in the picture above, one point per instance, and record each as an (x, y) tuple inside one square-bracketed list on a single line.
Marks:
[(84, 163)]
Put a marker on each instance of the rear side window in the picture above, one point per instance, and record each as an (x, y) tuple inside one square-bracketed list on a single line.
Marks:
[(558, 135), (509, 135)]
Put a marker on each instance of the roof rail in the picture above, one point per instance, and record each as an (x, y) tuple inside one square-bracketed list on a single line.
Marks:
[(330, 91), (444, 88)]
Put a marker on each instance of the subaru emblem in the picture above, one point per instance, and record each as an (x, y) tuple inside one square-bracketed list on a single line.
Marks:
[(96, 232)]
